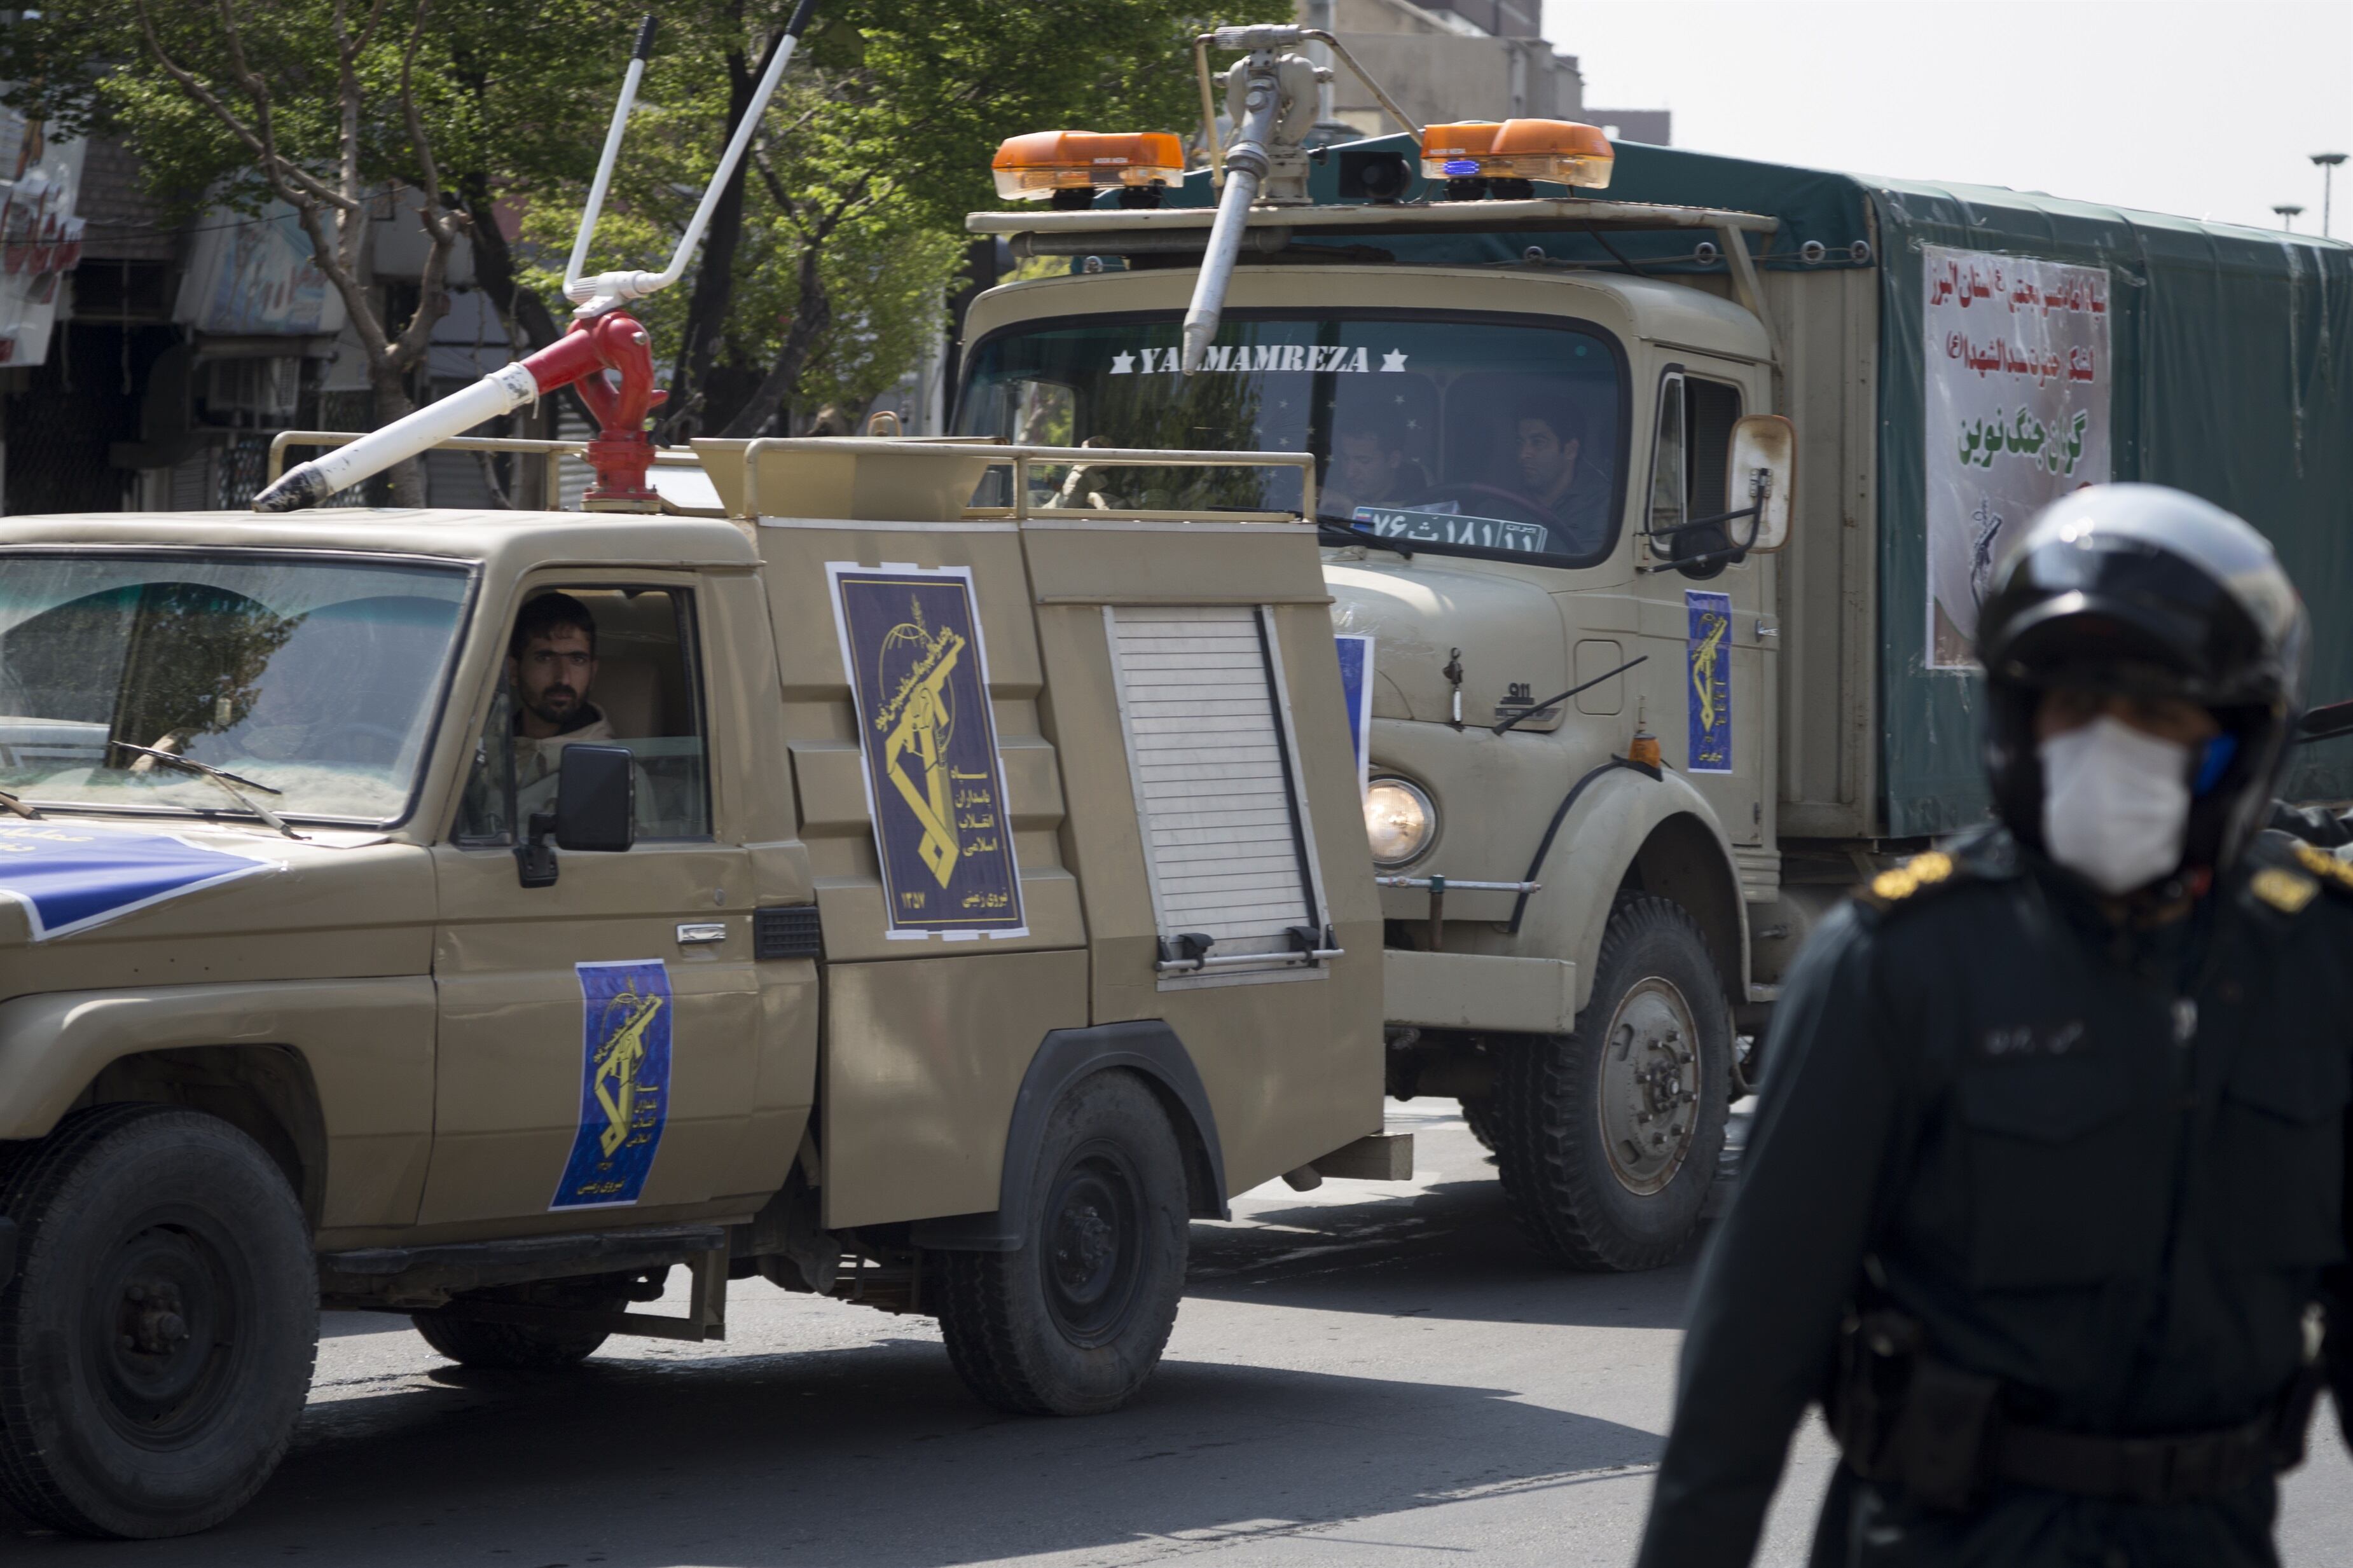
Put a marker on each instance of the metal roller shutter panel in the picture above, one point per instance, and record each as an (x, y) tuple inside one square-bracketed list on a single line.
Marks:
[(1214, 785)]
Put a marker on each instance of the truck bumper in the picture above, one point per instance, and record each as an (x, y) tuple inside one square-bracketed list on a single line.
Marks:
[(1478, 991)]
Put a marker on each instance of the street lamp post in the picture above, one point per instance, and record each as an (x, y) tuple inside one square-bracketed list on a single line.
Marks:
[(2287, 212), (2327, 161)]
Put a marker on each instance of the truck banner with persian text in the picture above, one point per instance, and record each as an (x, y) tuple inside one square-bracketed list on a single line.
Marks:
[(2017, 401), (910, 642)]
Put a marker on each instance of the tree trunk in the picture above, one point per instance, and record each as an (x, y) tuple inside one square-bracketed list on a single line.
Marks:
[(715, 279), (494, 269), (392, 402), (811, 316)]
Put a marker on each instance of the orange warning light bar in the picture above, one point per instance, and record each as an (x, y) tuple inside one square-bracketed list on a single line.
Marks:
[(1560, 151), (1033, 167)]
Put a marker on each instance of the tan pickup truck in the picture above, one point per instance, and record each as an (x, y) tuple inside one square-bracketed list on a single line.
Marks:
[(475, 915)]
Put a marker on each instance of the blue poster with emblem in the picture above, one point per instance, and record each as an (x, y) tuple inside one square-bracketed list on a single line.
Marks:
[(1357, 689), (624, 1039), (1710, 692), (934, 784), (71, 876)]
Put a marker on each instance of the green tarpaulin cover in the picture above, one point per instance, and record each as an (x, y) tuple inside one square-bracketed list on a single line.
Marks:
[(2233, 377)]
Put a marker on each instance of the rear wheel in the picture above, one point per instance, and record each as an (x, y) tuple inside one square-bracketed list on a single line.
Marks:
[(1073, 1323), (157, 1341), (1607, 1138)]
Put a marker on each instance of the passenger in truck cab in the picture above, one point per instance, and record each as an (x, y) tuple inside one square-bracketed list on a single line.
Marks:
[(1370, 466), (551, 666), (1575, 496)]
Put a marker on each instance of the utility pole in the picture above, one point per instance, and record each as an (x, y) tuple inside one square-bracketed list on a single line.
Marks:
[(2287, 211), (2327, 161)]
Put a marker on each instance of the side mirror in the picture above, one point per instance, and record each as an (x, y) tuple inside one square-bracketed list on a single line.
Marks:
[(595, 811), (1762, 472)]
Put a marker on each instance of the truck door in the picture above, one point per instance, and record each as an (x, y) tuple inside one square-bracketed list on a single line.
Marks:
[(1702, 623), (597, 1037)]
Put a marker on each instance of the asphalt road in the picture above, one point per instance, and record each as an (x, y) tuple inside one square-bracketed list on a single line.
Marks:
[(1363, 1375)]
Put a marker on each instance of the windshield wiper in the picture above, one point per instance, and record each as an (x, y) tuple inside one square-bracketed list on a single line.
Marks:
[(221, 776), (1327, 525), (12, 804)]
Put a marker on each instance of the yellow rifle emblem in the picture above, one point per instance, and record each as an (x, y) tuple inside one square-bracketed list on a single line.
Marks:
[(916, 721), (1703, 667), (617, 1059)]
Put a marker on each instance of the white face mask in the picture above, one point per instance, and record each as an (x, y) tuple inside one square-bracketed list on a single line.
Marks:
[(2115, 803)]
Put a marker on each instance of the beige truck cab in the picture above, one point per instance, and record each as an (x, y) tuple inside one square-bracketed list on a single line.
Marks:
[(478, 915), (1571, 802)]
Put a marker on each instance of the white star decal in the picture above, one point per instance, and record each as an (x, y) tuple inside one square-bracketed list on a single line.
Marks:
[(1393, 360), (1122, 364)]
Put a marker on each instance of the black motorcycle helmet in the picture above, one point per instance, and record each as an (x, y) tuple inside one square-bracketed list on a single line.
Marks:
[(2151, 592)]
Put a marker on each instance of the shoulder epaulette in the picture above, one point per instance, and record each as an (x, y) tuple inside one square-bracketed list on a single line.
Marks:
[(1915, 876), (2289, 891)]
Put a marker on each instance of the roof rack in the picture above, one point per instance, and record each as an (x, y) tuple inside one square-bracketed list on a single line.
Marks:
[(925, 484)]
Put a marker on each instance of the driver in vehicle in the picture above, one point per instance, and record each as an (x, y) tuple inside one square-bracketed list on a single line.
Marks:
[(1551, 436), (1369, 467), (551, 666)]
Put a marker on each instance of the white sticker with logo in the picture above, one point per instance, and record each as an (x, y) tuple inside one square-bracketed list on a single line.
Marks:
[(1249, 359)]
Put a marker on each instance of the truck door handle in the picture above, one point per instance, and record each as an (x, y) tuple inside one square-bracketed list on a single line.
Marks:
[(692, 933)]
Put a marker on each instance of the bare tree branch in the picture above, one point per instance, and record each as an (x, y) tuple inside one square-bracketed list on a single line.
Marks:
[(280, 173)]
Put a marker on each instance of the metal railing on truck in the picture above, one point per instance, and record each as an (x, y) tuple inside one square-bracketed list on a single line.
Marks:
[(1020, 459)]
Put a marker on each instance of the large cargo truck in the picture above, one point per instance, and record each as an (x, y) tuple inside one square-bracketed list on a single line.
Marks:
[(1626, 749)]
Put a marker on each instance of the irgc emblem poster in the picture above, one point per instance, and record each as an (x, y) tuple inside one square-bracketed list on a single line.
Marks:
[(1709, 655), (2017, 394), (625, 1011), (910, 642)]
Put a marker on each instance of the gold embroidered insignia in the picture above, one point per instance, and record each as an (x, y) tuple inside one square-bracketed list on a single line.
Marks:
[(2284, 890), (1920, 872), (2326, 867)]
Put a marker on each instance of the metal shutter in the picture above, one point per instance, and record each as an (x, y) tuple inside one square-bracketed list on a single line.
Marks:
[(1209, 745)]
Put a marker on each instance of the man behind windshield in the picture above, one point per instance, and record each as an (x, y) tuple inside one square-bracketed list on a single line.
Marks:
[(1576, 498), (551, 666), (1369, 467)]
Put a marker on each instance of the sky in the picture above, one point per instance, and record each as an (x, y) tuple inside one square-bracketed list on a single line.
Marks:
[(2207, 109)]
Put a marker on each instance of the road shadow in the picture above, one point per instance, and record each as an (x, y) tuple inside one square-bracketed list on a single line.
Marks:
[(1449, 1252), (874, 1455)]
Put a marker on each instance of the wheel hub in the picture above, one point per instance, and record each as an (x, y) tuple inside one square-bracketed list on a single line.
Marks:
[(1092, 1257), (162, 1337), (1649, 1100)]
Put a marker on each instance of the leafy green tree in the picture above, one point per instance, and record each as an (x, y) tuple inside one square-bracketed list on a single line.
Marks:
[(822, 275), (824, 268), (343, 110)]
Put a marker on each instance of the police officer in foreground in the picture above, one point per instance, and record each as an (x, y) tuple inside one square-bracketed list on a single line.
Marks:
[(2048, 1168)]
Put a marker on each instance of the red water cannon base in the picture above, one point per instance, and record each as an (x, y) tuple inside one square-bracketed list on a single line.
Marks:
[(611, 360)]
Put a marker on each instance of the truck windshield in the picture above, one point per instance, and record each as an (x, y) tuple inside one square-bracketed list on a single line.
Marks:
[(318, 679), (1472, 437)]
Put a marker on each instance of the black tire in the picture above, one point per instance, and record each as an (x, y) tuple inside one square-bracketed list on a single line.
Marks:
[(157, 1341), (1073, 1323), (1631, 1200), (1478, 1115)]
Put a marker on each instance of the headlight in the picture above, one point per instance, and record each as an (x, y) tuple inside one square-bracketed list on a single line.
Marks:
[(1398, 821)]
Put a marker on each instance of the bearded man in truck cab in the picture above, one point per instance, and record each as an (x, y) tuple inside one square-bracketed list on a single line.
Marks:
[(551, 668), (2048, 1171), (1551, 435)]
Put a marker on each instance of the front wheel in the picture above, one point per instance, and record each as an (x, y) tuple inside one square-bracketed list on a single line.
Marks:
[(1606, 1140), (1074, 1321), (157, 1339)]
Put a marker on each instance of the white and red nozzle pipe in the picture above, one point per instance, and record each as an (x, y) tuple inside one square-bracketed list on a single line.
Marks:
[(603, 338), (620, 454)]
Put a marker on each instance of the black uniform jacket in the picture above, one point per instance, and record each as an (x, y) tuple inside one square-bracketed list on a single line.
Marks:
[(2103, 1167)]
